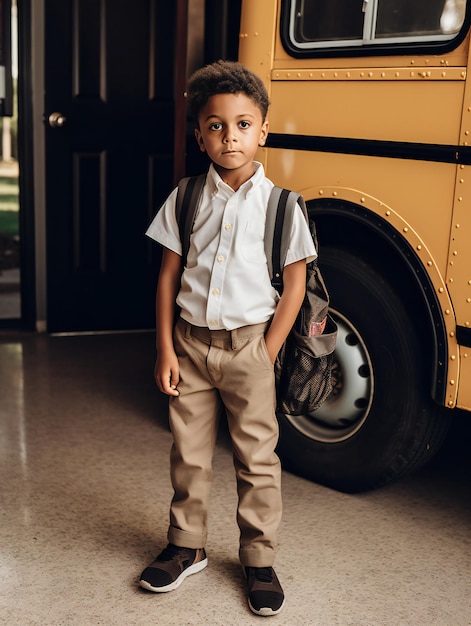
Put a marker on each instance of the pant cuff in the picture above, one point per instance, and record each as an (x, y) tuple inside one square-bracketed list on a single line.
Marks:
[(185, 539), (253, 557)]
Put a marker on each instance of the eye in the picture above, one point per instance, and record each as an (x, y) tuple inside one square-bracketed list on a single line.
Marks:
[(215, 126), (244, 124)]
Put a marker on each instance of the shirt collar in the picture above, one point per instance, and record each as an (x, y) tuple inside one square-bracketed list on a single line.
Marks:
[(216, 183)]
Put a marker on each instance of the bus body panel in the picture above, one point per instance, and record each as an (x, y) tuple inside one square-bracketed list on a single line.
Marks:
[(459, 258), (464, 391), (346, 108)]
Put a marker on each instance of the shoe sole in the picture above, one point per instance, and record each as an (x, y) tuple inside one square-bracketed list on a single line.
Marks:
[(193, 569), (265, 611)]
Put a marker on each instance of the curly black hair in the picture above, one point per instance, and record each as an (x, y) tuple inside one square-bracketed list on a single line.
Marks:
[(224, 77)]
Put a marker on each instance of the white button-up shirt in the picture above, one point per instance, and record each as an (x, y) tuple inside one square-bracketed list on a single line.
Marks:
[(226, 283)]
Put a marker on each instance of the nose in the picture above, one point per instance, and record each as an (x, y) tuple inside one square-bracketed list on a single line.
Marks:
[(229, 136)]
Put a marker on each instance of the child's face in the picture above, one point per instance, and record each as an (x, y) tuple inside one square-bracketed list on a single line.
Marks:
[(231, 129)]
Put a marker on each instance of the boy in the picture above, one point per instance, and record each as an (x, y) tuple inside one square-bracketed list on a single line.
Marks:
[(232, 324)]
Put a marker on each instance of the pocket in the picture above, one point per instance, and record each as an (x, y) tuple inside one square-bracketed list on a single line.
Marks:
[(253, 246), (264, 350)]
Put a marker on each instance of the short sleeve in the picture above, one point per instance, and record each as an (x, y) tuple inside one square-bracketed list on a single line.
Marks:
[(164, 228), (301, 244)]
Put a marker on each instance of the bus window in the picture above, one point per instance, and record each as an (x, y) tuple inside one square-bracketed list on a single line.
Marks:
[(317, 24), (337, 20), (403, 18)]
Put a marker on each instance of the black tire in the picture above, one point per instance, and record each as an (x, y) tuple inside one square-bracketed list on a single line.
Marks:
[(380, 422)]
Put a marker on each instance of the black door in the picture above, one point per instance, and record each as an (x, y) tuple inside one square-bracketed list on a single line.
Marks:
[(110, 119)]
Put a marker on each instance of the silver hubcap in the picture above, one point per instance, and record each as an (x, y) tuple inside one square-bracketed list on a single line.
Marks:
[(347, 407)]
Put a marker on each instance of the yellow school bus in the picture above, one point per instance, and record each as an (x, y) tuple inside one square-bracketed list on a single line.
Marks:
[(370, 120)]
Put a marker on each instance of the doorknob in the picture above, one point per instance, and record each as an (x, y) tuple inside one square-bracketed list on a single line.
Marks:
[(57, 120)]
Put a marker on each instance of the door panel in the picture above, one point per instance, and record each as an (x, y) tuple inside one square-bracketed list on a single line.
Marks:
[(109, 157)]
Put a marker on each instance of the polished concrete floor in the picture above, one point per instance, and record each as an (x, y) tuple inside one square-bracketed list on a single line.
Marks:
[(84, 494)]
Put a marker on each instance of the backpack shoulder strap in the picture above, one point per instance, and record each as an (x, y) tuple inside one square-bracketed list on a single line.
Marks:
[(280, 213), (188, 195)]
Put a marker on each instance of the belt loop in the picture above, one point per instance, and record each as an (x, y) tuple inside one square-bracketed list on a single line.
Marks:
[(234, 339), (187, 329)]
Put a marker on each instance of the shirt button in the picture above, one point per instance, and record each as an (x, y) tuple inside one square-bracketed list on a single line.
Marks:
[(215, 292), (212, 322), (228, 226), (220, 258)]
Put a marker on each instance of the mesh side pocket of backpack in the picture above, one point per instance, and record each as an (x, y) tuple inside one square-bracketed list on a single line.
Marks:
[(304, 371)]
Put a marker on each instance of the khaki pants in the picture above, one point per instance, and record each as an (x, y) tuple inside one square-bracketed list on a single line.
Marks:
[(232, 368)]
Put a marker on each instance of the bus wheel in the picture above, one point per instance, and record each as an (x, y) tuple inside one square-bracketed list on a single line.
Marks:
[(379, 423)]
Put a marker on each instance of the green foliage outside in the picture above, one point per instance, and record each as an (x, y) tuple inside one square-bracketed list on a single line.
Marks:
[(9, 216)]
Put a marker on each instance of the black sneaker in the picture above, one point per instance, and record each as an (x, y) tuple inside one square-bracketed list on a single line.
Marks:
[(171, 567), (266, 596)]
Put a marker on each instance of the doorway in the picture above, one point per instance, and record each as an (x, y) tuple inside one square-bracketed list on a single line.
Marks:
[(10, 274)]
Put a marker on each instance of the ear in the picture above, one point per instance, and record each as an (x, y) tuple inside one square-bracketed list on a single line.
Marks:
[(200, 140), (263, 134)]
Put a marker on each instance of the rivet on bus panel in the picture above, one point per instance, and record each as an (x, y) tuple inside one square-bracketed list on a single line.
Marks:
[(429, 263), (397, 74), (468, 300), (383, 74), (405, 229), (443, 74), (450, 403), (441, 290), (452, 334), (457, 226), (455, 252), (466, 323), (452, 382), (363, 200), (447, 311), (321, 192), (453, 357), (419, 247), (388, 213), (334, 193)]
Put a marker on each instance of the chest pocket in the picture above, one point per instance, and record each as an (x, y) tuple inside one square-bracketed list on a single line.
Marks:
[(253, 248)]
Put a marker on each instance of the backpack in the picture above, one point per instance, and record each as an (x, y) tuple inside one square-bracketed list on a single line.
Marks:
[(303, 367)]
